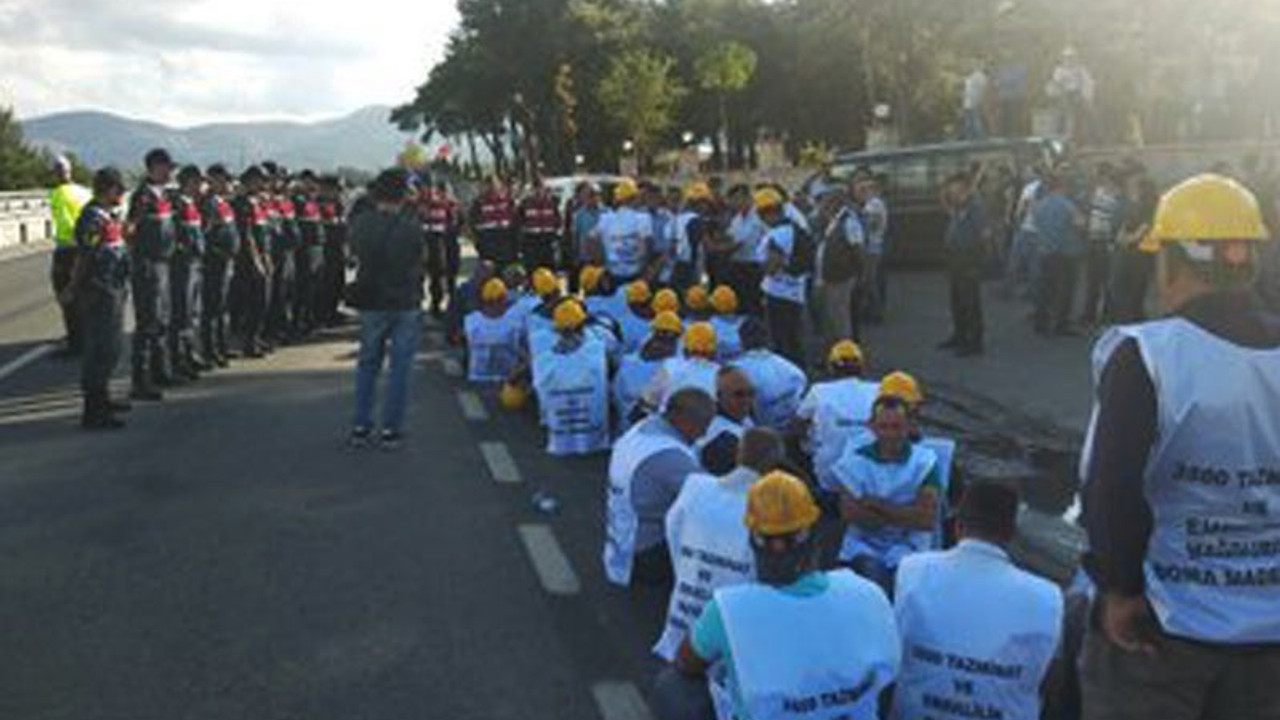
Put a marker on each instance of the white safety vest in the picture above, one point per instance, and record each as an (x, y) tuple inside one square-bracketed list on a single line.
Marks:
[(680, 372), (728, 336), (541, 333), (891, 482), (573, 390), (615, 305), (493, 346), (621, 522), (822, 657), (837, 411), (635, 330), (1212, 481), (781, 284), (624, 235), (633, 376), (978, 635), (709, 550), (779, 386), (522, 306), (719, 426)]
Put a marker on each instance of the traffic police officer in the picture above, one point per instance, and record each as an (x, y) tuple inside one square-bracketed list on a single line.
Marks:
[(151, 247), (1182, 479), (222, 245), (66, 199)]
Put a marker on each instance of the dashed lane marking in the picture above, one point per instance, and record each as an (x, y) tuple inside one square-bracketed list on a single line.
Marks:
[(25, 359), (472, 407), (549, 561), (620, 701), (502, 467)]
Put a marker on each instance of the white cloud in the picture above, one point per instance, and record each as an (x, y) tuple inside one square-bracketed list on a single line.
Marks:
[(193, 61)]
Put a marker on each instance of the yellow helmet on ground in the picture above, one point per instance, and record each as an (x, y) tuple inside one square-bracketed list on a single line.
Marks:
[(767, 198), (494, 290), (513, 397), (625, 190), (1206, 208), (590, 276), (666, 300), (780, 504), (700, 339), (902, 386), (724, 300), (697, 299), (545, 282), (639, 293), (569, 315), (845, 352), (698, 191), (667, 322)]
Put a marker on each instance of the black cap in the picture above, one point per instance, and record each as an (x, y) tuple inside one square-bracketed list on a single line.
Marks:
[(218, 170), (990, 509), (391, 185), (253, 172), (308, 175), (189, 172), (106, 179), (157, 156)]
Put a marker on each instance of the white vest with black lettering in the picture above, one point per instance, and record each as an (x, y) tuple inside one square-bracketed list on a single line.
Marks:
[(1212, 482), (633, 376), (821, 657), (688, 372), (779, 385), (978, 635), (896, 483), (637, 445), (710, 549), (573, 389), (493, 346), (841, 409)]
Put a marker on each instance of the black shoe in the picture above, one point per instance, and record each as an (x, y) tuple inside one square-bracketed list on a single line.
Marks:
[(360, 438), (146, 393), (950, 343), (390, 440), (101, 421)]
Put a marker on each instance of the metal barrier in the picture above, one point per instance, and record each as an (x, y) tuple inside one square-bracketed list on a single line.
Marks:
[(24, 218)]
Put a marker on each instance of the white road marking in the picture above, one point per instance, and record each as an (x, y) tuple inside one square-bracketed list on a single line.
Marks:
[(549, 561), (501, 465), (26, 359), (452, 367), (472, 407), (620, 701)]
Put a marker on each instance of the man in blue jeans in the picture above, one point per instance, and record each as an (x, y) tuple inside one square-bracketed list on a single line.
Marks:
[(388, 244)]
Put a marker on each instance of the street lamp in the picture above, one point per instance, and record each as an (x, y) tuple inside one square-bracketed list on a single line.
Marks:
[(628, 145), (687, 137)]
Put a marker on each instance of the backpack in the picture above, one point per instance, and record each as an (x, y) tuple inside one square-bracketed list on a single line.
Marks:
[(802, 252)]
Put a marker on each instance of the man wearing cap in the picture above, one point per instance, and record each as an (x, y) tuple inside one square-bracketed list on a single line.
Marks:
[(697, 303), (788, 256), (636, 370), (696, 367), (66, 199), (186, 271), (978, 634), (746, 232), (495, 337), (639, 314), (309, 256), (539, 316), (440, 221), (151, 246), (251, 283), (727, 322), (333, 274), (798, 642), (584, 215), (966, 240), (735, 401), (697, 240), (623, 238), (571, 380), (840, 266), (778, 382), (646, 469), (1179, 470), (222, 246), (538, 227), (492, 215), (834, 412)]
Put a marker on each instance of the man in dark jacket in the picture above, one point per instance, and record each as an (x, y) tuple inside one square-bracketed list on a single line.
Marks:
[(966, 240)]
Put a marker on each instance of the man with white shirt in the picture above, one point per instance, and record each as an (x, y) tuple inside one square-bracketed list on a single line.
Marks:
[(978, 633), (746, 268), (623, 240), (976, 86), (788, 251), (835, 411)]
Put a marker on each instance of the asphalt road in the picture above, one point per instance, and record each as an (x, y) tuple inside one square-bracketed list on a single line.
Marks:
[(227, 557)]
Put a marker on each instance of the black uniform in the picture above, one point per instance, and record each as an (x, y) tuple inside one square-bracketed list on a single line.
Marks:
[(151, 250), (334, 269), (251, 283), (308, 262), (222, 244), (100, 298), (185, 278), (284, 243)]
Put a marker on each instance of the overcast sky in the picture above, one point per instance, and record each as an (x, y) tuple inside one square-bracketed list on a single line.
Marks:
[(193, 61)]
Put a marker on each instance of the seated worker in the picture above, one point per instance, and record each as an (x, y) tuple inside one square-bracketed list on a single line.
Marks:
[(540, 333), (796, 643), (906, 388), (646, 470), (494, 340), (972, 602), (599, 296), (718, 449), (695, 367), (709, 546), (637, 369), (571, 380), (697, 304), (779, 383), (635, 321), (727, 322), (467, 300), (889, 493), (835, 411), (666, 300)]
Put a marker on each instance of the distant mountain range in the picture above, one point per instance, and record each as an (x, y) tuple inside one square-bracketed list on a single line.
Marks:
[(364, 140)]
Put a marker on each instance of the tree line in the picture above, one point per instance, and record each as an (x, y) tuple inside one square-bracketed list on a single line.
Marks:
[(559, 80)]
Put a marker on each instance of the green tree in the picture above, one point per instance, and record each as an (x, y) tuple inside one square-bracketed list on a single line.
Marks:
[(641, 96), (725, 69), (22, 167)]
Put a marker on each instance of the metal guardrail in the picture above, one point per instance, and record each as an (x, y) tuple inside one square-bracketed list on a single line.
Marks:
[(24, 218)]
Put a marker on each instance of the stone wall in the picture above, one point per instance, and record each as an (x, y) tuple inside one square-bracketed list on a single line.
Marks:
[(24, 218)]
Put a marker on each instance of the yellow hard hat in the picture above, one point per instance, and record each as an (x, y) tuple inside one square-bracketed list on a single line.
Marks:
[(666, 300), (638, 293), (545, 282), (625, 190), (700, 339), (845, 352), (698, 191), (697, 299), (724, 300), (513, 397), (902, 386), (493, 291), (1206, 208), (766, 198), (590, 276), (780, 504), (667, 322), (569, 315)]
